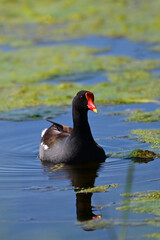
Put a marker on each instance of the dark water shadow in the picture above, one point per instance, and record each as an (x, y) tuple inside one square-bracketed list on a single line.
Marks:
[(82, 177)]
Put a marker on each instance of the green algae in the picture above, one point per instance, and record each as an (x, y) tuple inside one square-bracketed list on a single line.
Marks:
[(139, 116), (142, 154), (23, 73), (140, 202), (32, 113), (99, 223), (151, 136), (153, 235), (155, 48), (96, 224), (137, 155), (155, 221), (27, 22), (143, 202), (97, 189)]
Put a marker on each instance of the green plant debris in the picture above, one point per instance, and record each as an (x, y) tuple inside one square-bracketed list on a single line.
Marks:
[(97, 188), (155, 48), (153, 235), (139, 116), (32, 113), (143, 202), (104, 224), (155, 221), (142, 154), (23, 73), (119, 113), (28, 22), (57, 167), (137, 155), (96, 224), (151, 136)]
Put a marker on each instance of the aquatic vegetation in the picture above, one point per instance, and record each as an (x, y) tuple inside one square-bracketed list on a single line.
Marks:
[(151, 136), (104, 224), (140, 202), (23, 73), (96, 224), (155, 221), (139, 116), (155, 48), (142, 154), (32, 113), (143, 202), (153, 235), (97, 188), (137, 155), (28, 22)]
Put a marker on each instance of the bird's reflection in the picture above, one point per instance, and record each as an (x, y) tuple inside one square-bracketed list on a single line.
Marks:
[(82, 176)]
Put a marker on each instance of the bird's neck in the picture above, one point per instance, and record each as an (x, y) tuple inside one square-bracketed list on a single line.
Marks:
[(80, 123)]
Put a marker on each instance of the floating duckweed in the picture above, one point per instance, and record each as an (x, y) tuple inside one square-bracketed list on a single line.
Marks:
[(155, 48), (143, 202), (23, 73), (97, 188), (139, 116), (142, 154), (32, 113), (155, 221), (148, 136), (26, 23), (96, 224), (57, 167), (153, 235)]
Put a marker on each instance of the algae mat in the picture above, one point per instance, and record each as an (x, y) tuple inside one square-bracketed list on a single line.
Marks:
[(24, 75), (26, 69), (28, 22)]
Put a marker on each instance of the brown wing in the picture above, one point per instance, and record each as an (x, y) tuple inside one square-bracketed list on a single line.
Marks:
[(55, 133), (60, 127)]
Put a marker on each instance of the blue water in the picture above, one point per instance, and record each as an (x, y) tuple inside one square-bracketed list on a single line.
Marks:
[(40, 202), (118, 46)]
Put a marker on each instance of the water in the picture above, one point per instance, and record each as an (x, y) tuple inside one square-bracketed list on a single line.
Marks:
[(118, 46), (40, 202)]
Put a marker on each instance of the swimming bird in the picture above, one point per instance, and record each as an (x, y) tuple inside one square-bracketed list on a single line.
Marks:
[(63, 144)]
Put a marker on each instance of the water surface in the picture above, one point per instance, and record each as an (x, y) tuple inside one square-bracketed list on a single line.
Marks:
[(40, 202)]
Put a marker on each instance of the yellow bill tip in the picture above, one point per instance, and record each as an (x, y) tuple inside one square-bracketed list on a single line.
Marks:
[(95, 110)]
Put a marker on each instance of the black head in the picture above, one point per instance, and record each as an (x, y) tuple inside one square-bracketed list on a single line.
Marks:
[(84, 101)]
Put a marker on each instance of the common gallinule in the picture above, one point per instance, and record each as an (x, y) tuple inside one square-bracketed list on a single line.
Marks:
[(62, 144)]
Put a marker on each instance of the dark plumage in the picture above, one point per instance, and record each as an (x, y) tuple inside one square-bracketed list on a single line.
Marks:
[(62, 144)]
